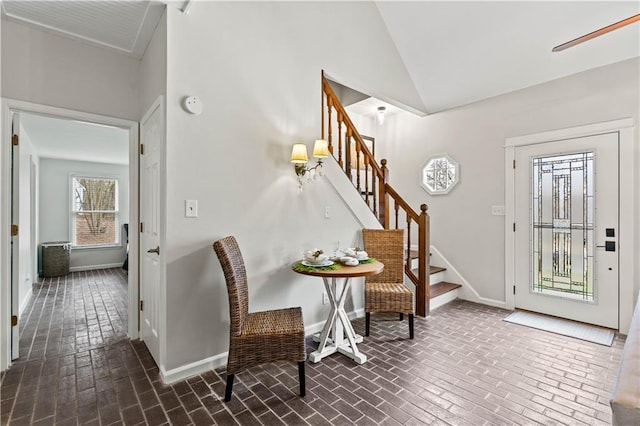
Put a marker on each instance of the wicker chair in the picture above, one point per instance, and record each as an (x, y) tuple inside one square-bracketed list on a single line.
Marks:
[(257, 337), (386, 292)]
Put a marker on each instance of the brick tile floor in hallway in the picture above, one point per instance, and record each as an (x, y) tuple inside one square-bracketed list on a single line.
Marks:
[(465, 367)]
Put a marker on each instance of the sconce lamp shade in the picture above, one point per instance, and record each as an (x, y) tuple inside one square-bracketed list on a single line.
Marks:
[(299, 153), (321, 149)]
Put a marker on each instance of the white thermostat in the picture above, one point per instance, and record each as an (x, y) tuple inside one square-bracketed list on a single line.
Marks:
[(192, 105)]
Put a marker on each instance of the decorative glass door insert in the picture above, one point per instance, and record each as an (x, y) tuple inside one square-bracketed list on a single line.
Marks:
[(563, 226)]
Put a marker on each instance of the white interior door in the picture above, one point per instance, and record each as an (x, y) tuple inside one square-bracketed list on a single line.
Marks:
[(566, 242), (151, 255), (15, 239)]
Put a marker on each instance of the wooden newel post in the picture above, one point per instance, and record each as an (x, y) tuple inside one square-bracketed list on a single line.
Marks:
[(383, 198), (422, 291)]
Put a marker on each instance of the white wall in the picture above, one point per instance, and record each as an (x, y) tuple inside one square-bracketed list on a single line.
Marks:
[(256, 68), (25, 262), (54, 209), (52, 70), (153, 67), (462, 226)]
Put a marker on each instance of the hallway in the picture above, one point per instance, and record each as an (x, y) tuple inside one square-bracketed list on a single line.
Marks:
[(74, 313)]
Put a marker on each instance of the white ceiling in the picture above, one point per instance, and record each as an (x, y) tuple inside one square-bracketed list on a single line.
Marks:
[(76, 140), (126, 26), (462, 52), (456, 52)]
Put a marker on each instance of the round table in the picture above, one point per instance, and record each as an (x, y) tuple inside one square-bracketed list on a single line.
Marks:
[(338, 322)]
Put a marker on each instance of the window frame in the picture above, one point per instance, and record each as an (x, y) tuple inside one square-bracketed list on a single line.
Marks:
[(451, 164), (73, 212)]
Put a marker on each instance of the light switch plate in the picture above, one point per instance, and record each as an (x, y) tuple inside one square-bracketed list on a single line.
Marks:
[(191, 208)]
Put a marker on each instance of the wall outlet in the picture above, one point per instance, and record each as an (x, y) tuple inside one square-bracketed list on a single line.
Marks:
[(325, 298), (497, 210)]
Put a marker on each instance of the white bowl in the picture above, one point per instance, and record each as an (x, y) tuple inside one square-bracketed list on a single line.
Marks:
[(349, 261)]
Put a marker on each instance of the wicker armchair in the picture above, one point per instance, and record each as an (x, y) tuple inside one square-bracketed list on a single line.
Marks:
[(257, 337), (386, 292)]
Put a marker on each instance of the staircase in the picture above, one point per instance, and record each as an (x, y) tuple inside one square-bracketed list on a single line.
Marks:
[(371, 180), (441, 292)]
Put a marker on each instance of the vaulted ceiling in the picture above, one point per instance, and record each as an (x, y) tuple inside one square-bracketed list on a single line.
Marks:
[(456, 52), (462, 52)]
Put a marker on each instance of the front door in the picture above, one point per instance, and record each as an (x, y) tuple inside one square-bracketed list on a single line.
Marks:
[(566, 221), (151, 133)]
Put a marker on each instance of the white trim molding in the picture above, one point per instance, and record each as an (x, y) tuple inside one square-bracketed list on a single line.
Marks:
[(95, 267), (628, 206), (189, 370)]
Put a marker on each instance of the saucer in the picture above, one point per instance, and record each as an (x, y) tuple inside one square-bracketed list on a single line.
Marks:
[(317, 264)]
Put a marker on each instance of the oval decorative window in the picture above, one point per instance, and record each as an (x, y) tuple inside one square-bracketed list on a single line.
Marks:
[(439, 174)]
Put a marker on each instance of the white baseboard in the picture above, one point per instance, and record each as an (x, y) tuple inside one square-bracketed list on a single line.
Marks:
[(94, 267), (220, 360), (25, 301), (317, 327), (466, 292), (193, 369)]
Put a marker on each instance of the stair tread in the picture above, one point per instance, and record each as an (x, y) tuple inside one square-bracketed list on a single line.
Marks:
[(432, 270), (413, 254), (436, 269), (441, 288)]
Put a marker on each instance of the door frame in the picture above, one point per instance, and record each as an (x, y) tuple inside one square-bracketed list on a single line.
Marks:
[(10, 106), (627, 205)]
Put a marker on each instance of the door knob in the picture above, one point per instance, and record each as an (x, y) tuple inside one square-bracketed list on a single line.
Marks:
[(155, 250)]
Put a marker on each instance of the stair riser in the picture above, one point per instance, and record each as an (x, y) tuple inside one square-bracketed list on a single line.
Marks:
[(443, 299), (436, 278)]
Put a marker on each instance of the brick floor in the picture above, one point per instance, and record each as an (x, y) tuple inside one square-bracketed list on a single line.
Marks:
[(465, 367)]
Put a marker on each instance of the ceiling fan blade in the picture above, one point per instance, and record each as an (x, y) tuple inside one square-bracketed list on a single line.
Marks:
[(596, 33)]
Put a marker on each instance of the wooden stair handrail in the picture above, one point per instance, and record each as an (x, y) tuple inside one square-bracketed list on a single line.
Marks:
[(328, 90), (380, 202)]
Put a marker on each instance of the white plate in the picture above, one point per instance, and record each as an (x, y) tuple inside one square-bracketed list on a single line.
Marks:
[(325, 263)]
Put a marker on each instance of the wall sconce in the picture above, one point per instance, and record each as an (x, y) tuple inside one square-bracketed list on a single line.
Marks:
[(299, 159)]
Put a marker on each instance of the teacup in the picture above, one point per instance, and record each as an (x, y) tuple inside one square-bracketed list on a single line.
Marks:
[(320, 258), (349, 251), (361, 255)]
